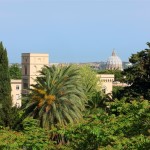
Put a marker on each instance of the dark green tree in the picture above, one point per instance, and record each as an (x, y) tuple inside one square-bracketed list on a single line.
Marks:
[(15, 71), (138, 75), (5, 88)]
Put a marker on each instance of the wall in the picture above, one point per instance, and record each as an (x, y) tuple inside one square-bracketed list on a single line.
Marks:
[(32, 63), (106, 82), (16, 92)]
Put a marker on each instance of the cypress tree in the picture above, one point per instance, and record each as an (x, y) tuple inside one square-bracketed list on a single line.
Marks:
[(5, 88)]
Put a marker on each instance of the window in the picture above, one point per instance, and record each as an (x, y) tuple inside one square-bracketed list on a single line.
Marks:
[(25, 59), (104, 89), (17, 87), (25, 83), (25, 70)]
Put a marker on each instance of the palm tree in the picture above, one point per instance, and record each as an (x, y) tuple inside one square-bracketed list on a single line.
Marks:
[(57, 98)]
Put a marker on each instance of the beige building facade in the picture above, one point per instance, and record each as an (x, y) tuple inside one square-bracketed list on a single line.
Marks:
[(16, 92), (106, 82), (32, 63)]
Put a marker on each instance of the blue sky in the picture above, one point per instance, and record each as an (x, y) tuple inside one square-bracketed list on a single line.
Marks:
[(74, 30)]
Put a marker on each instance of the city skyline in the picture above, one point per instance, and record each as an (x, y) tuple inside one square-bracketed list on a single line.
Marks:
[(74, 31)]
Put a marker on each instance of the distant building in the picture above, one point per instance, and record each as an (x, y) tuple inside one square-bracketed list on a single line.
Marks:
[(114, 62), (106, 82), (31, 65), (16, 92)]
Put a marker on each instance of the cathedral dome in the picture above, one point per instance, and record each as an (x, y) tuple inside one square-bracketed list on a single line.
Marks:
[(114, 62)]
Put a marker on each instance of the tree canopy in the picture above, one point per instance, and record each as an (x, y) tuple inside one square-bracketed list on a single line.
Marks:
[(57, 98), (15, 71), (88, 80), (5, 88), (138, 75)]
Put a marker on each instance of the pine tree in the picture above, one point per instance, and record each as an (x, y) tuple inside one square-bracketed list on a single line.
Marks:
[(5, 88)]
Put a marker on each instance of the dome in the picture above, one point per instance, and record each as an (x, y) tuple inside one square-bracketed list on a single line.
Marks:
[(114, 62)]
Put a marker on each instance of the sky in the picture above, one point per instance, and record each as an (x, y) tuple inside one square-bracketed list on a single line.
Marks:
[(74, 30)]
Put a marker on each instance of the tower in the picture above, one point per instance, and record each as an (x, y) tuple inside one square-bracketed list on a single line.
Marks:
[(32, 63)]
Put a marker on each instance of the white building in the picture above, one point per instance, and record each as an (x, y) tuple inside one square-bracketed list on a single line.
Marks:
[(106, 82), (16, 92)]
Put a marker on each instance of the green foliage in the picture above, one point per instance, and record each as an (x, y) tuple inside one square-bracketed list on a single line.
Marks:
[(58, 102), (57, 98), (138, 75), (91, 87), (15, 71), (96, 101), (31, 138), (36, 138), (125, 127), (88, 79), (116, 91), (5, 88), (14, 116), (11, 140)]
